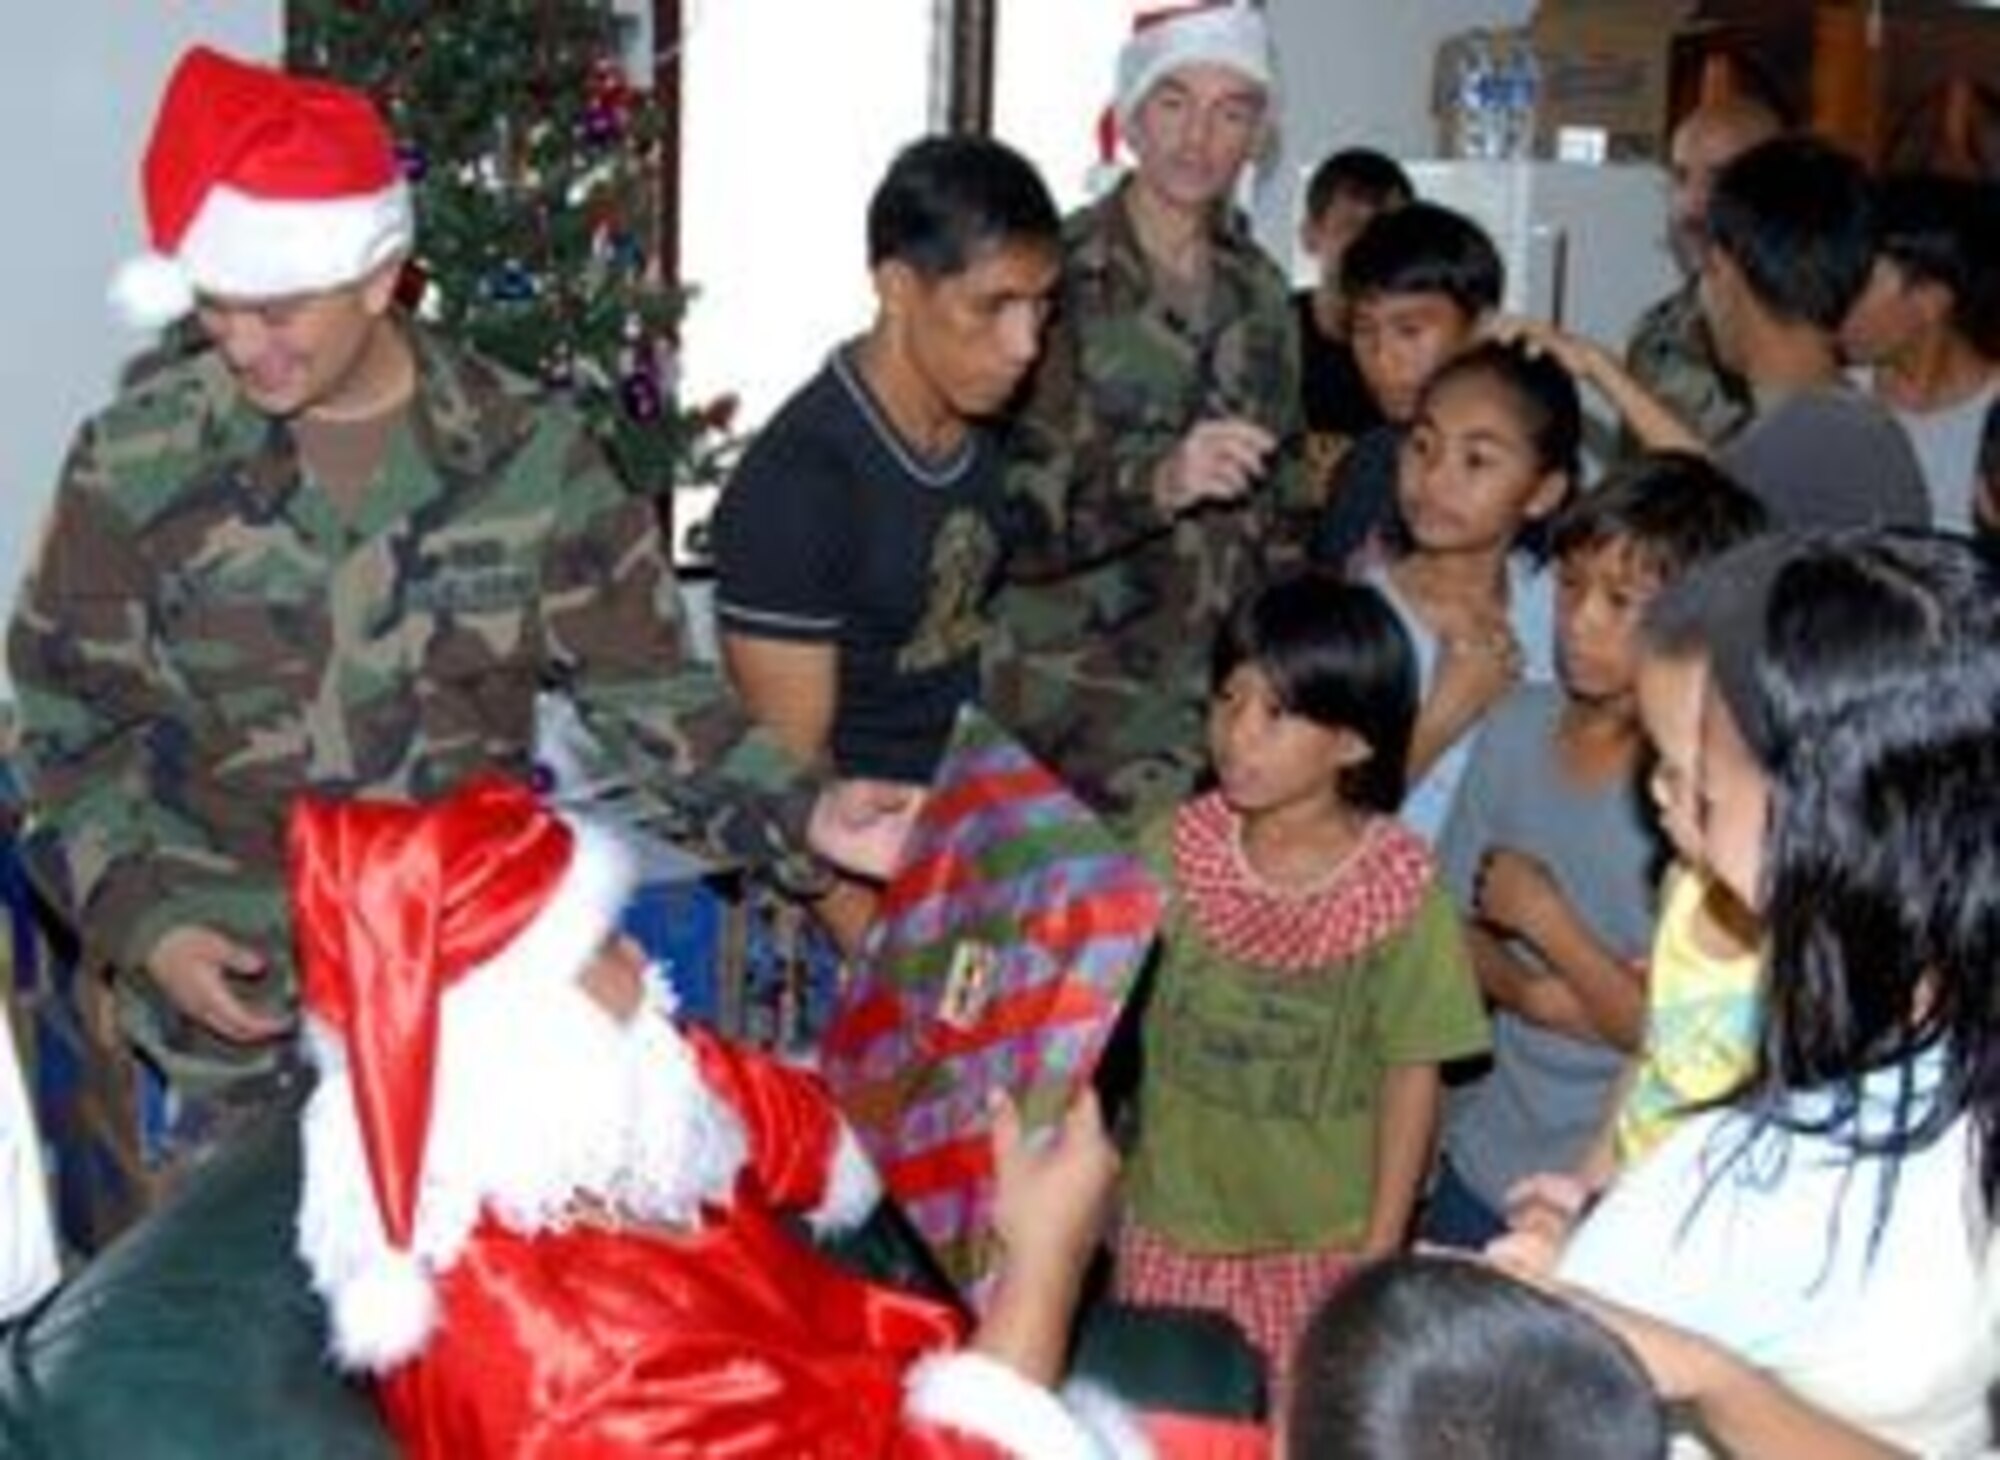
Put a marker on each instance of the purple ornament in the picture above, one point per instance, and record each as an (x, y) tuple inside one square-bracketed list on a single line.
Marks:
[(411, 161), (600, 125), (639, 393)]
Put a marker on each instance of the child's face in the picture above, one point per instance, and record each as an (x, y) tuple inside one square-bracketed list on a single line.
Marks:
[(1733, 802), (1893, 312), (1399, 342), (1327, 234), (1469, 474), (1670, 690), (1601, 591), (1267, 759)]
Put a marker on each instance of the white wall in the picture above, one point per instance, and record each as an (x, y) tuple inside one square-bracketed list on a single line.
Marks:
[(1356, 73), (78, 83)]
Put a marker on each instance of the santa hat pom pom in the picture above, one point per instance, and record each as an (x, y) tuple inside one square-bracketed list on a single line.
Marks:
[(383, 1314), (151, 291)]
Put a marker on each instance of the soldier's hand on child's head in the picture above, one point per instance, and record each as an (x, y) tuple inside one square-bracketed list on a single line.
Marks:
[(860, 825), (1218, 460), (1582, 358), (1513, 891), (193, 966)]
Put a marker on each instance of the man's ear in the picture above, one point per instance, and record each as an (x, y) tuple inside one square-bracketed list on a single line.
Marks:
[(378, 286), (894, 283)]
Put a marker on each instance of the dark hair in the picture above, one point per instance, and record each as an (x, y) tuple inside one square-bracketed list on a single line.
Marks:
[(1795, 217), (1443, 1358), (1374, 178), (947, 201), (1425, 249), (1673, 508), (1543, 393), (1946, 231), (1336, 654), (1868, 688)]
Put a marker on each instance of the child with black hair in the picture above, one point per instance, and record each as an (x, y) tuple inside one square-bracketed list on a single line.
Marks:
[(1442, 1358), (1347, 190), (1491, 451), (1704, 981), (1310, 979), (1419, 282), (1551, 854), (1790, 242), (1927, 327), (1831, 1230)]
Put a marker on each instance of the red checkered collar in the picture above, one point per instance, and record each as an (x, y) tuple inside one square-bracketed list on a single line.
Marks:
[(1371, 895)]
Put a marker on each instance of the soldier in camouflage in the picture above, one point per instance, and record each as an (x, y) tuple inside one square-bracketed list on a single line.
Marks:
[(1670, 351), (330, 552), (1155, 465)]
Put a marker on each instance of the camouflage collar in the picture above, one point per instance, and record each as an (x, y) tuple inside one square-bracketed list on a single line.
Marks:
[(469, 416), (1105, 254)]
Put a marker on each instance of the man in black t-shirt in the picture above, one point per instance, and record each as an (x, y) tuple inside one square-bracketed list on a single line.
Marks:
[(857, 543)]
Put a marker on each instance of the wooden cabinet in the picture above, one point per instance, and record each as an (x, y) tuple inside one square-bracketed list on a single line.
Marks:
[(1904, 83)]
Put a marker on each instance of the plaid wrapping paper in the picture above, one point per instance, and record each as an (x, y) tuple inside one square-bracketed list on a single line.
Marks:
[(999, 960)]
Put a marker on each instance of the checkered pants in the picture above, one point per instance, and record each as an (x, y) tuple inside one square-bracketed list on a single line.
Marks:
[(1271, 1295)]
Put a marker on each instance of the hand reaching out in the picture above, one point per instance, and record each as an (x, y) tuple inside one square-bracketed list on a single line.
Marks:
[(860, 825), (1218, 460)]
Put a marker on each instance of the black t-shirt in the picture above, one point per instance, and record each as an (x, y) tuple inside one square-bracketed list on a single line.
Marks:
[(1336, 398), (834, 530)]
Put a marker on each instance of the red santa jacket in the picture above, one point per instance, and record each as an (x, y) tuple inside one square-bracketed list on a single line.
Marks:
[(737, 1339)]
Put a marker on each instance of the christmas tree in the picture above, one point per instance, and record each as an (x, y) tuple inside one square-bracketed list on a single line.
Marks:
[(531, 155)]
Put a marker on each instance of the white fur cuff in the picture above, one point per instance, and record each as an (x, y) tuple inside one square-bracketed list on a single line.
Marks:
[(852, 1187), (982, 1397)]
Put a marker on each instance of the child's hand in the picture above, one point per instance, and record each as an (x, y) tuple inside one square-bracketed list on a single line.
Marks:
[(1477, 666), (1516, 894)]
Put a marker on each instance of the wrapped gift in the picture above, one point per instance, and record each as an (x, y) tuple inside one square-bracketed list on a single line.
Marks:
[(1000, 958)]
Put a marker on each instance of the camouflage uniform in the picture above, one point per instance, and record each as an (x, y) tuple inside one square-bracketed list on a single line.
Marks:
[(1110, 605), (1672, 355), (205, 635)]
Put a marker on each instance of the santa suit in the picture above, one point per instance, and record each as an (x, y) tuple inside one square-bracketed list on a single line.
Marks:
[(735, 1339)]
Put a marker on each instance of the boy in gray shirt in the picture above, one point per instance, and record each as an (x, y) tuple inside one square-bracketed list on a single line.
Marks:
[(1551, 854)]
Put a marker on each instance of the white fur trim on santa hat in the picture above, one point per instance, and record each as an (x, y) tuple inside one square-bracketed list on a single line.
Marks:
[(566, 933), (244, 247), (852, 1187), (982, 1397), (1232, 35), (384, 1313)]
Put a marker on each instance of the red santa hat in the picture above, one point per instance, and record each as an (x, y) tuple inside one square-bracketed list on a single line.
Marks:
[(1228, 33), (395, 905), (257, 185)]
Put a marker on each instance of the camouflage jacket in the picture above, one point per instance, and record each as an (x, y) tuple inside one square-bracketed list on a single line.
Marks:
[(204, 635), (1671, 354), (1123, 376)]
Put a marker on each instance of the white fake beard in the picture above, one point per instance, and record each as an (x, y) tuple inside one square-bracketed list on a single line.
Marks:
[(541, 1098)]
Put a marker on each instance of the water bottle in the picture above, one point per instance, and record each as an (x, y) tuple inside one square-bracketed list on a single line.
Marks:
[(1521, 91), (1476, 85)]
